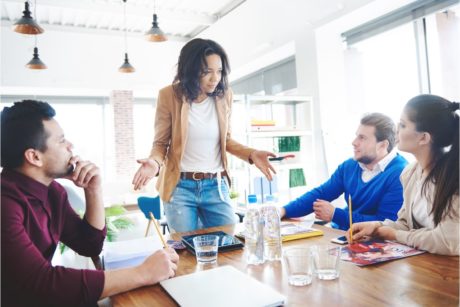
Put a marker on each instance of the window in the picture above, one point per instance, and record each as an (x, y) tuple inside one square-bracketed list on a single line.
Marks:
[(443, 48), (382, 71)]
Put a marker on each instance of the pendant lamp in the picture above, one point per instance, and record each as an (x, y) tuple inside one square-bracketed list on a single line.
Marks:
[(126, 67), (26, 24), (36, 63), (155, 34)]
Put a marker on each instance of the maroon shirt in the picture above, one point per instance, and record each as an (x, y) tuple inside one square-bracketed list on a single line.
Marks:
[(35, 218)]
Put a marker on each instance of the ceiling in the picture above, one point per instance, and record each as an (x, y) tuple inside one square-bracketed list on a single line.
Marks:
[(181, 20), (83, 49)]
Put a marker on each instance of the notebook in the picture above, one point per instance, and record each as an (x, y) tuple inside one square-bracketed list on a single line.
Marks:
[(222, 286), (129, 253)]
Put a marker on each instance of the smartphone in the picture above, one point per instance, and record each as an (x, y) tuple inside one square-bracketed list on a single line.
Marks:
[(340, 240)]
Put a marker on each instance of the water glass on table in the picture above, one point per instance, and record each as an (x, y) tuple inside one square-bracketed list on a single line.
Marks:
[(299, 264), (326, 261), (206, 247)]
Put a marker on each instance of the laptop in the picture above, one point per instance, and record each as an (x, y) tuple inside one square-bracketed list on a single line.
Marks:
[(222, 286)]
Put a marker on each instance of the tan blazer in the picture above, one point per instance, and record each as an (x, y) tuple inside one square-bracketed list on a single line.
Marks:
[(444, 238), (171, 124)]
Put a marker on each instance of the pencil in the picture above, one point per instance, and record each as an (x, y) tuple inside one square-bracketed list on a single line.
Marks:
[(351, 219), (158, 229)]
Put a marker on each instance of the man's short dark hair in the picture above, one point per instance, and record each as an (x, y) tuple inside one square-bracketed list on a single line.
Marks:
[(385, 128), (22, 128)]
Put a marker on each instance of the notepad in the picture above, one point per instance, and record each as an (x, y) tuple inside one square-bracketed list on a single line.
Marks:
[(223, 286), (129, 253)]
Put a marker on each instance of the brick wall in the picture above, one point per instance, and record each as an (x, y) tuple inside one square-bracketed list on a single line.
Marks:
[(122, 102)]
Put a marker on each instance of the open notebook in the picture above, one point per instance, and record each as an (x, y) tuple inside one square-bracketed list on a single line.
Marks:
[(222, 286)]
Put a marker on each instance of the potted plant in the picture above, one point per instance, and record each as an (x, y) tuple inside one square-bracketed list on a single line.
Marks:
[(114, 220)]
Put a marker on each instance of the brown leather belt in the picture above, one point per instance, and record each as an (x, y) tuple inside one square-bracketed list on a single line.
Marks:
[(200, 175)]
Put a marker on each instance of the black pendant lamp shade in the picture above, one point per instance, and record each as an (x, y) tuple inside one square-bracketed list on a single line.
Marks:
[(126, 67), (36, 63), (26, 24), (155, 34)]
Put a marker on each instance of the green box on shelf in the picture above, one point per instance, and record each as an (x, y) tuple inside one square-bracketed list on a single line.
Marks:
[(288, 143), (296, 178)]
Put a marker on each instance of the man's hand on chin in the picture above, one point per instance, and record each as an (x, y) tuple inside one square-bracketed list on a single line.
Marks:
[(85, 174)]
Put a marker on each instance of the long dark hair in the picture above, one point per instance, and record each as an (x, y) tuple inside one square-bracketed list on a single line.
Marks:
[(192, 64), (437, 116)]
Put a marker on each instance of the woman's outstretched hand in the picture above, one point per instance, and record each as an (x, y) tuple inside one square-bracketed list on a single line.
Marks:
[(260, 159), (149, 168)]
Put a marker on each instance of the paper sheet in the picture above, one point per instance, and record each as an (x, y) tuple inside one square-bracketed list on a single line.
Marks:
[(129, 253)]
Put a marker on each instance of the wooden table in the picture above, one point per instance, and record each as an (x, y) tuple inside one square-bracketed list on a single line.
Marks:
[(423, 280)]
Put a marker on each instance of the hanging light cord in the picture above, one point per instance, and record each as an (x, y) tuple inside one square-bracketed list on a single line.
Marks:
[(124, 22), (35, 15)]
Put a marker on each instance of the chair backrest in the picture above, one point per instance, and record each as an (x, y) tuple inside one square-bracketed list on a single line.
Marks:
[(150, 204)]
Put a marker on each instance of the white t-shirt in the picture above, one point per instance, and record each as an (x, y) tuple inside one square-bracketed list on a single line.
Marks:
[(202, 149)]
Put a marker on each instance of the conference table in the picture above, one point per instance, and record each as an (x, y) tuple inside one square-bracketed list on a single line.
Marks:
[(422, 280)]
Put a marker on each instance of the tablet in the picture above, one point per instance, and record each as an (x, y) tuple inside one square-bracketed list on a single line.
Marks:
[(226, 241)]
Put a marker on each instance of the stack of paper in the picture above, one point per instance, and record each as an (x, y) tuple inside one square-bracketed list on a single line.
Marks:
[(298, 230), (129, 253), (291, 230)]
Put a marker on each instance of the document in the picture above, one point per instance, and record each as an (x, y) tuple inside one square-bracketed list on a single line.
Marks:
[(223, 286), (129, 253)]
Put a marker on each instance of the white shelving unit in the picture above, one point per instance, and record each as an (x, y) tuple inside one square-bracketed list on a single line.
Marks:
[(292, 116)]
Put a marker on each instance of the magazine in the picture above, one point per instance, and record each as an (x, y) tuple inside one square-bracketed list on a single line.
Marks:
[(376, 251)]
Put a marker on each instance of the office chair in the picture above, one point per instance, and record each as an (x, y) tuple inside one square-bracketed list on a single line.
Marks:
[(152, 204)]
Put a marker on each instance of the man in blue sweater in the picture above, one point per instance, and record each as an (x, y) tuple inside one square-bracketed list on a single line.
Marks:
[(371, 178)]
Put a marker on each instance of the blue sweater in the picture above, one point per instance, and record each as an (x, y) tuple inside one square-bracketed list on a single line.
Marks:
[(375, 200)]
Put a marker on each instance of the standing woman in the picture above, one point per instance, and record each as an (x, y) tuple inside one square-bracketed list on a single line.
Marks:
[(192, 136), (429, 217)]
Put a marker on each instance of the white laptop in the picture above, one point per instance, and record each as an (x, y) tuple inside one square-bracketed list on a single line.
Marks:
[(222, 286)]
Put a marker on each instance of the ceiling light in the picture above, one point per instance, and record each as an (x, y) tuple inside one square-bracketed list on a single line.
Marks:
[(155, 34), (36, 63), (26, 24), (126, 67)]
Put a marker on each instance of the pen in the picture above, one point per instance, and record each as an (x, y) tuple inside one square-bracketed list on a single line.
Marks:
[(158, 229), (351, 219), (280, 158)]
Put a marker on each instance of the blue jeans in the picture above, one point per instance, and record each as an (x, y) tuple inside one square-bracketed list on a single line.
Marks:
[(196, 204)]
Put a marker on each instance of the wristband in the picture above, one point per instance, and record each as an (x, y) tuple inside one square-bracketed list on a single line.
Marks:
[(159, 166)]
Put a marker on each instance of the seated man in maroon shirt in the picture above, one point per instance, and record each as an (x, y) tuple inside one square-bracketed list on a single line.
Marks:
[(36, 215)]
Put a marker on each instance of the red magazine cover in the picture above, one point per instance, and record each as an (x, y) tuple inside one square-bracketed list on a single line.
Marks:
[(376, 251)]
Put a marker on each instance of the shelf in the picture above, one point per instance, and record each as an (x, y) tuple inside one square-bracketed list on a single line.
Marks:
[(278, 133), (287, 166), (284, 117)]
